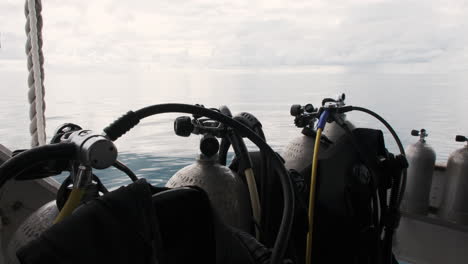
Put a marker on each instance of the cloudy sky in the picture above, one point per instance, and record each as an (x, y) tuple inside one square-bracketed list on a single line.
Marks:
[(427, 36)]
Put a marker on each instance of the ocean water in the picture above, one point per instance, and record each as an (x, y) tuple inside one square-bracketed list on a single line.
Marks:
[(437, 103)]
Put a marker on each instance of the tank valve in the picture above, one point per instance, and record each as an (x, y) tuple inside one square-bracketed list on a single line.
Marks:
[(297, 109), (460, 138), (209, 145), (422, 134), (183, 126)]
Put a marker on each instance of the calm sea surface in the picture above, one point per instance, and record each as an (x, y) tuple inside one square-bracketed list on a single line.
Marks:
[(435, 102)]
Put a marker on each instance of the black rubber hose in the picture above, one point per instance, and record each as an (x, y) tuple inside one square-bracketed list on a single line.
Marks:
[(223, 150), (13, 167), (241, 151), (367, 162), (265, 188), (389, 230), (225, 143), (398, 188), (259, 131), (123, 168), (397, 140), (284, 232)]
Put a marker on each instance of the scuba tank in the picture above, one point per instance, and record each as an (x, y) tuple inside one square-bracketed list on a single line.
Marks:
[(298, 152), (224, 187), (31, 228), (349, 187), (454, 205), (94, 151), (421, 158), (332, 130)]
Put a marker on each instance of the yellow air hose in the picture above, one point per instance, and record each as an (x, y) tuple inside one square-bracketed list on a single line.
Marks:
[(254, 199), (313, 179), (72, 202)]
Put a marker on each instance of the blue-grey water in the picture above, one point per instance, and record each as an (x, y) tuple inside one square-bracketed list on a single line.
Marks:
[(93, 100)]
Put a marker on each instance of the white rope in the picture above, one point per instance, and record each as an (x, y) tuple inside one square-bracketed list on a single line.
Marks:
[(36, 72)]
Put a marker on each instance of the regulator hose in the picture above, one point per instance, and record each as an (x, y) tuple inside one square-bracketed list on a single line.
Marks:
[(313, 180), (257, 204), (397, 140), (72, 202), (131, 119), (13, 167), (123, 168), (254, 199), (246, 164), (225, 143), (223, 150)]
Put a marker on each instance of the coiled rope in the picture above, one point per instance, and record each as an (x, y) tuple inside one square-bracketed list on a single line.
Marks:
[(36, 91)]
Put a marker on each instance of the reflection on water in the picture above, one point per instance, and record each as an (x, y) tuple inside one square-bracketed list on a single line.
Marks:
[(434, 102)]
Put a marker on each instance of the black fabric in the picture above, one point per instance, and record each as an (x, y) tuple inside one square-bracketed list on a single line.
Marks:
[(192, 232), (186, 221), (130, 225), (120, 227)]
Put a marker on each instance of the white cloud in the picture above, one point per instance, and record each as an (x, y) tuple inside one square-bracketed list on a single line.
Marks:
[(372, 35)]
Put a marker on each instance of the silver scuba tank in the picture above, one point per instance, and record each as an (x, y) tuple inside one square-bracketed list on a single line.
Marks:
[(298, 152), (30, 229), (421, 159), (43, 218), (454, 205), (332, 130), (226, 191)]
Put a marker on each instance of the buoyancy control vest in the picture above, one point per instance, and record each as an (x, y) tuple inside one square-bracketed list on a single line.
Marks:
[(131, 226), (354, 174)]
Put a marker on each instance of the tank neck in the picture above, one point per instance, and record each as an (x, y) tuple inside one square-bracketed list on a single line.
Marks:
[(203, 158), (309, 132), (421, 133)]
